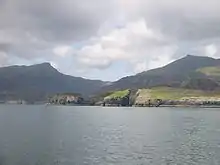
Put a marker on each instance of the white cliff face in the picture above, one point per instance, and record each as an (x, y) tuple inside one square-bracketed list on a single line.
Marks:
[(65, 99), (72, 98)]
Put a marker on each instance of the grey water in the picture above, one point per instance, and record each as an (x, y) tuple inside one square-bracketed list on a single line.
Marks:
[(58, 135)]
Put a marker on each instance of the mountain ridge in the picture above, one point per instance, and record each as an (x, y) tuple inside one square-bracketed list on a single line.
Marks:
[(171, 74), (36, 82)]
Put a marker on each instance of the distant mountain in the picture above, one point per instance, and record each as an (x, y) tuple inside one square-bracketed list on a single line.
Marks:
[(186, 72), (36, 82)]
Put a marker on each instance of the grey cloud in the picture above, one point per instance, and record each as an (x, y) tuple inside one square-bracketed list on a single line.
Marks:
[(64, 21), (56, 19), (4, 47), (184, 20), (28, 29), (185, 29)]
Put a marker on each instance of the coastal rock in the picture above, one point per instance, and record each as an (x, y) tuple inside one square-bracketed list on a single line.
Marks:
[(167, 96), (118, 98), (66, 99)]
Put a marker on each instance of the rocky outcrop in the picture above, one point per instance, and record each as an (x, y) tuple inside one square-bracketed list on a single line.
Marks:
[(192, 102), (119, 98), (150, 103), (119, 101), (66, 99), (187, 102)]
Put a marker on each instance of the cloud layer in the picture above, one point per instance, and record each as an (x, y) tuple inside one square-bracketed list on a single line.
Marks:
[(97, 38)]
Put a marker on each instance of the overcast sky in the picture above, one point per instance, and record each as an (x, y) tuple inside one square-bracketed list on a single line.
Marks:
[(107, 39)]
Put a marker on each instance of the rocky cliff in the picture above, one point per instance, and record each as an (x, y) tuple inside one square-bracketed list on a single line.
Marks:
[(118, 98), (176, 96), (161, 96), (65, 99)]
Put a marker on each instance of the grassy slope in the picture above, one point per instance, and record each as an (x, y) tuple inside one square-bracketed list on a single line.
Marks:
[(118, 94), (210, 71), (167, 93)]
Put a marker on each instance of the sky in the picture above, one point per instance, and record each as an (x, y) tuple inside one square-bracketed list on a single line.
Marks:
[(107, 39)]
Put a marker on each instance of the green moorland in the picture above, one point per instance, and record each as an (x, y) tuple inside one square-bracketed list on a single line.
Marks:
[(210, 71), (168, 93), (117, 94)]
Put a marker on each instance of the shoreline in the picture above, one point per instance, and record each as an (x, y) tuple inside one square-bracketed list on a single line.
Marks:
[(134, 106)]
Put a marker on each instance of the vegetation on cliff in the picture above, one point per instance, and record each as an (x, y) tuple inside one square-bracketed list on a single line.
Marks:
[(155, 96), (118, 94), (175, 96), (210, 71), (119, 98)]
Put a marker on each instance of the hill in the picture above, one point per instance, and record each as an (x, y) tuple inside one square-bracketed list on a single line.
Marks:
[(36, 82), (186, 72)]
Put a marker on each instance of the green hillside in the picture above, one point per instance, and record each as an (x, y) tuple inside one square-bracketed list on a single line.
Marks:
[(210, 71), (118, 94), (167, 93), (175, 74)]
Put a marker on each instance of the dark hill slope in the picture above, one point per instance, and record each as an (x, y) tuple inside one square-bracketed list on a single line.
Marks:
[(173, 74), (37, 81)]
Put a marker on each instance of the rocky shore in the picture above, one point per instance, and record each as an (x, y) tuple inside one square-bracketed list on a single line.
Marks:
[(162, 96), (187, 102), (154, 97), (66, 98)]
